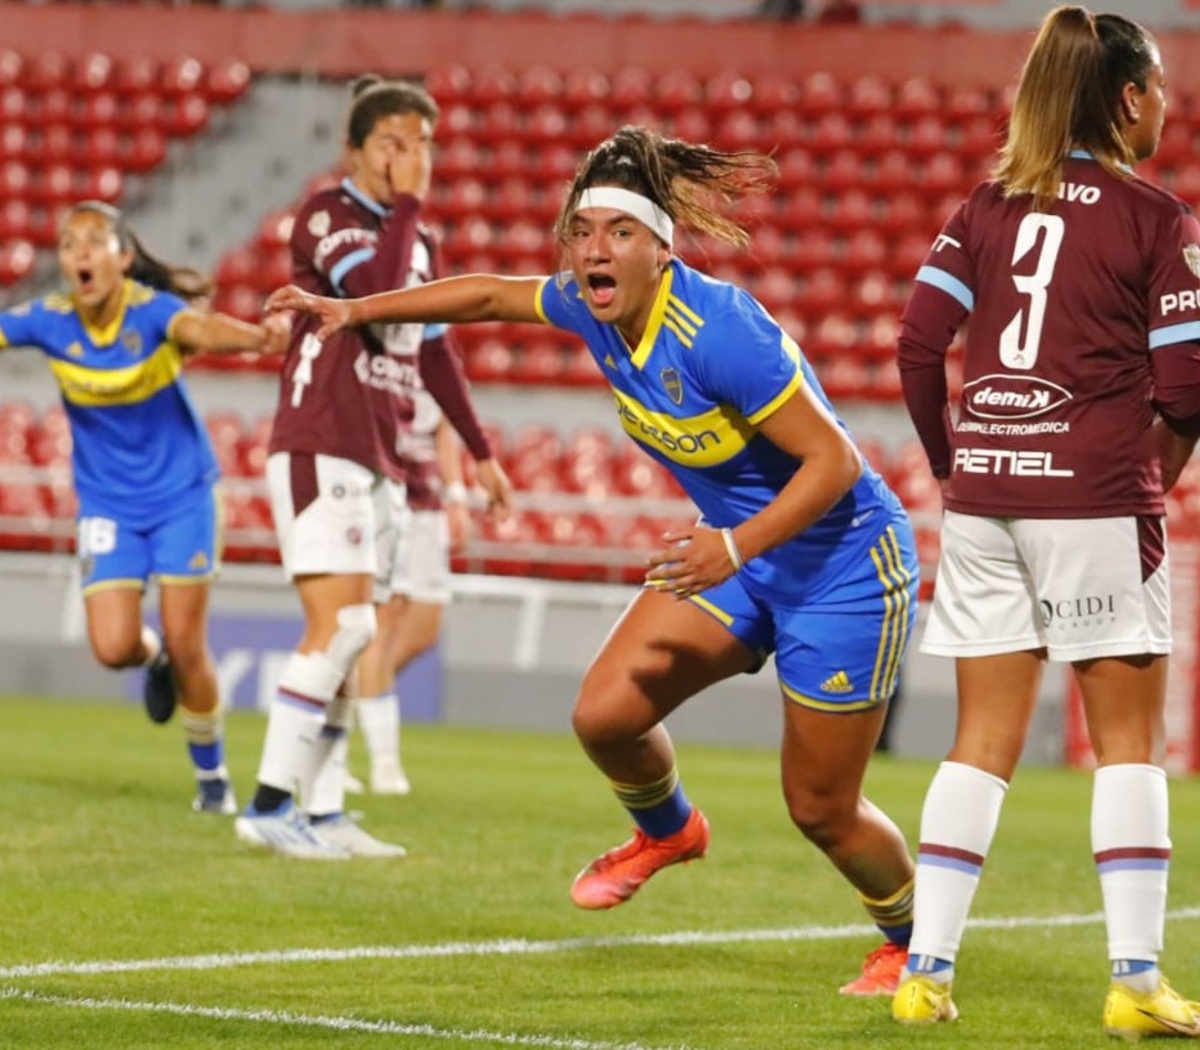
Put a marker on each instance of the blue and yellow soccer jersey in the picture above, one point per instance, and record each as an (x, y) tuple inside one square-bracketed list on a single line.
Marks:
[(711, 366), (138, 443)]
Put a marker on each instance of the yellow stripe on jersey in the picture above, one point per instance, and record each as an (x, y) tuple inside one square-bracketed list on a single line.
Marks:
[(704, 440), (792, 349), (893, 639), (655, 322), (118, 386), (684, 322)]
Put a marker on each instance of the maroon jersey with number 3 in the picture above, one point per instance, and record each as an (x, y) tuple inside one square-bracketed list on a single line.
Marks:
[(1076, 315)]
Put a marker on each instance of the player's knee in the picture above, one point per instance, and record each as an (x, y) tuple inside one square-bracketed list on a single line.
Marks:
[(356, 628), (820, 818), (117, 653), (598, 719)]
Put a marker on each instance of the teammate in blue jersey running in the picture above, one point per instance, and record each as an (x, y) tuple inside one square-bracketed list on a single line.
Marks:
[(143, 466), (801, 549)]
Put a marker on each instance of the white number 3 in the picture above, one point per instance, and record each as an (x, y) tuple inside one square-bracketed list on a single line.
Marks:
[(1016, 352)]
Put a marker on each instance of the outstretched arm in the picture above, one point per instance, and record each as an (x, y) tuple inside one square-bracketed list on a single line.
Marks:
[(197, 332), (472, 297)]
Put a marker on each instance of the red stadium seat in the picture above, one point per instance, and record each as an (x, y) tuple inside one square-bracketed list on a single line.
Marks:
[(53, 145), (493, 83), (14, 217), (459, 197), (136, 75), (14, 142), (513, 198), (46, 70), (737, 130), (498, 122), (92, 72), (17, 258), (694, 125), (676, 90), (820, 93), (729, 90), (226, 82), (509, 157), (490, 361), (459, 157), (547, 122), (12, 67), (15, 106), (147, 150), (236, 266), (538, 84), (275, 229), (631, 86), (917, 97), (865, 249), (274, 270), (844, 170), (185, 116), (868, 95), (831, 132), (773, 92), (100, 184), (100, 109), (928, 135), (142, 112), (181, 76), (53, 106), (585, 87), (589, 125), (449, 84), (796, 167)]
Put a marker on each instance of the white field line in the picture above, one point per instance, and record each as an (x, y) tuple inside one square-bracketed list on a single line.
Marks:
[(338, 1024), (519, 946)]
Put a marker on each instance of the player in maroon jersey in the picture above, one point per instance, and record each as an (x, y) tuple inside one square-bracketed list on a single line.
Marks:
[(345, 402), (1081, 387)]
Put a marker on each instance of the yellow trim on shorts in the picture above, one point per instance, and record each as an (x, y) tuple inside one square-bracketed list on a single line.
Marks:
[(893, 640), (125, 584), (828, 706), (712, 610)]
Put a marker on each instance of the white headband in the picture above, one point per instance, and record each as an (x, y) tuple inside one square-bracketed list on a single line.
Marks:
[(634, 204)]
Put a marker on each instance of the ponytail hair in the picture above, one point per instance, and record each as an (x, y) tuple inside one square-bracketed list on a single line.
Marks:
[(689, 182), (1069, 96), (147, 269)]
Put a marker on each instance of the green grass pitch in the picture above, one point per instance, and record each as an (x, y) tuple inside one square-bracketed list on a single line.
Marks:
[(130, 922)]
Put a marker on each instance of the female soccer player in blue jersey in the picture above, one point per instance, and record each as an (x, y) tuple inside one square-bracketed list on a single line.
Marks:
[(1080, 281), (144, 469), (801, 549)]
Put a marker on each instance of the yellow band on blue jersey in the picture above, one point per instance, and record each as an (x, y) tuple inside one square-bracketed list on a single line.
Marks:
[(703, 440), (118, 386)]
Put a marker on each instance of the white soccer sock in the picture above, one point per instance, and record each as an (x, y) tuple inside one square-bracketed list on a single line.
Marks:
[(323, 780), (306, 687), (152, 642), (1132, 848), (958, 822), (379, 720)]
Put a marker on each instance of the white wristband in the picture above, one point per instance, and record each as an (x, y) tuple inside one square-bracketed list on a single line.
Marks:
[(455, 492), (735, 555)]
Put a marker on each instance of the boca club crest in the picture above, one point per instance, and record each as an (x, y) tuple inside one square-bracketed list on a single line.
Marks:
[(673, 384)]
